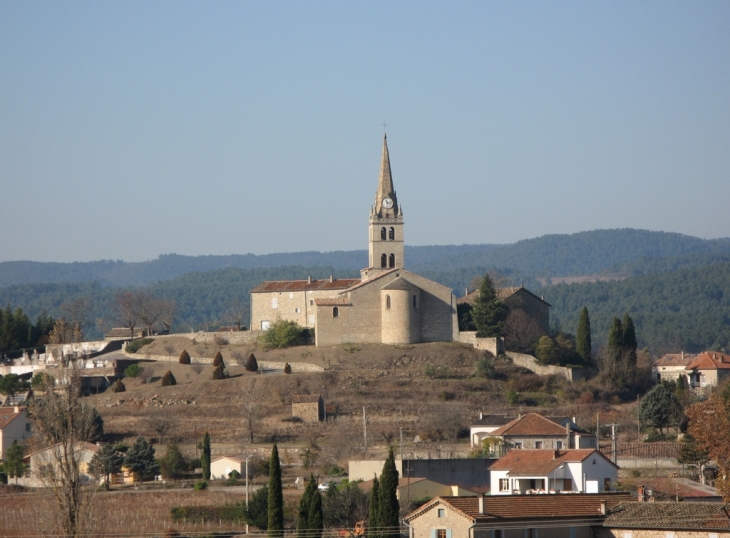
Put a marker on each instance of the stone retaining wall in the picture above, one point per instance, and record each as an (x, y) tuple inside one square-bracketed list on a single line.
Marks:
[(239, 337), (263, 365), (529, 362), (494, 345)]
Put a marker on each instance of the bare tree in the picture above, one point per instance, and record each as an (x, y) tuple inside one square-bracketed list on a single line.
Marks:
[(76, 312), (521, 332), (251, 407), (162, 424), (64, 425), (168, 309), (127, 311), (236, 312), (149, 309)]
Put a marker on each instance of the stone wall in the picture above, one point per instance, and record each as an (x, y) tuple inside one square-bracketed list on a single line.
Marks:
[(235, 338), (263, 365), (494, 345), (308, 411), (529, 362)]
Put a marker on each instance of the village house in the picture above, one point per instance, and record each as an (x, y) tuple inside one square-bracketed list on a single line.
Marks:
[(518, 298), (421, 488), (14, 426), (222, 466), (709, 369), (672, 366), (308, 407), (552, 471), (49, 457), (529, 516)]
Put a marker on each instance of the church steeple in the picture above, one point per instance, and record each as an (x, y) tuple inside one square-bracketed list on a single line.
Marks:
[(386, 191)]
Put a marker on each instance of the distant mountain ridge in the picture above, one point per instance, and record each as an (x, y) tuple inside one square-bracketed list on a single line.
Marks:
[(598, 251)]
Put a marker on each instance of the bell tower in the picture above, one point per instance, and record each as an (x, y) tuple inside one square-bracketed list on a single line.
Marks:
[(386, 223)]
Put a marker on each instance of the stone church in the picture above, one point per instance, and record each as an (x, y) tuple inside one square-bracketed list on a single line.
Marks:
[(387, 304)]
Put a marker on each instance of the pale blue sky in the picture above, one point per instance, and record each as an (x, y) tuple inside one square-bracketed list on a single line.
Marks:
[(132, 129)]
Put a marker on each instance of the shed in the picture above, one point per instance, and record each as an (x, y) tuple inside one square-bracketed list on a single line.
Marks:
[(308, 407)]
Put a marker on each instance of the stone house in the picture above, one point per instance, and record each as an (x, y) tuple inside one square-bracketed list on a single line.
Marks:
[(533, 431), (552, 471), (14, 426), (666, 520), (512, 516), (482, 428), (222, 466), (387, 304), (672, 366), (709, 369), (48, 458), (420, 488), (308, 407), (518, 298)]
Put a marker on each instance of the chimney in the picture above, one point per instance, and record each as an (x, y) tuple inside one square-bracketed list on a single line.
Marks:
[(16, 409), (556, 454), (481, 415), (682, 355), (309, 279), (567, 436), (714, 356), (603, 508), (640, 497), (481, 504), (331, 279)]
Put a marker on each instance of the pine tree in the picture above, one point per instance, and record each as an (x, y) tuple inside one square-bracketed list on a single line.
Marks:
[(252, 364), (374, 520), (315, 520), (489, 313), (629, 338), (218, 359), (184, 357), (140, 459), (303, 513), (583, 336), (205, 457), (106, 462), (13, 464), (389, 506), (615, 338), (276, 496), (168, 379)]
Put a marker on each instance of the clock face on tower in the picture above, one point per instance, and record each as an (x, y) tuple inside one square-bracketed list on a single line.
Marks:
[(387, 203)]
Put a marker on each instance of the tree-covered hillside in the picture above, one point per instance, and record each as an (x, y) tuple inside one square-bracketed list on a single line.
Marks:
[(627, 250)]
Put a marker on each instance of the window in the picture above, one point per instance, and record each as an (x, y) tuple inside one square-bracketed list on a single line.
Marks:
[(567, 484), (265, 325), (291, 296), (382, 233), (311, 302), (497, 533), (504, 484), (274, 302), (335, 312), (27, 427), (391, 261), (296, 311), (594, 461), (518, 445), (391, 234), (384, 261), (559, 445), (415, 302), (387, 301), (627, 535), (440, 533), (441, 512), (538, 444), (606, 484)]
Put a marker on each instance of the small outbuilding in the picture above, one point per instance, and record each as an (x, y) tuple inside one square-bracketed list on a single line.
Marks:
[(308, 407), (222, 466)]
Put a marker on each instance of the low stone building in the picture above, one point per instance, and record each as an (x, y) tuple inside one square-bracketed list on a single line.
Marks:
[(222, 466), (667, 520), (308, 407)]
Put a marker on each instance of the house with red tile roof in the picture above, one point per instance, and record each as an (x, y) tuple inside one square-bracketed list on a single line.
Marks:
[(513, 516), (709, 369), (387, 304), (14, 426), (534, 431), (666, 520), (672, 366), (552, 471)]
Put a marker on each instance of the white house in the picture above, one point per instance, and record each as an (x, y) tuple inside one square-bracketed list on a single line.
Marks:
[(222, 466), (552, 471), (480, 429), (45, 462), (14, 426)]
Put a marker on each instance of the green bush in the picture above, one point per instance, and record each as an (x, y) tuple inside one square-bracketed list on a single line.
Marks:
[(168, 379), (484, 367), (133, 370), (283, 333), (184, 357), (135, 345), (513, 397), (201, 486)]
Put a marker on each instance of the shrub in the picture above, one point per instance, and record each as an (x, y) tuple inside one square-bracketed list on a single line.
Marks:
[(513, 397), (201, 486), (252, 364), (184, 357), (135, 345), (447, 396), (133, 370), (234, 475), (284, 333), (168, 379), (484, 367), (220, 340), (218, 360), (42, 379), (287, 368), (118, 386), (219, 372)]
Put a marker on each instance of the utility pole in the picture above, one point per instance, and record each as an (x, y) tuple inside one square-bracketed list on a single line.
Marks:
[(247, 460), (401, 446), (364, 433), (614, 446), (638, 419)]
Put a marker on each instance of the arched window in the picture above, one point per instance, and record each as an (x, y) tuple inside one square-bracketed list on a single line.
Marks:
[(384, 260), (392, 261), (382, 233), (387, 302), (391, 234), (335, 312), (415, 302)]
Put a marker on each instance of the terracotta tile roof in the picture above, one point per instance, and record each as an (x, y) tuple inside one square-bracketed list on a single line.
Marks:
[(400, 283), (499, 508), (305, 285), (541, 462), (675, 359), (336, 301), (669, 515), (361, 283), (502, 294), (233, 458), (82, 445), (530, 424), (305, 398), (8, 414), (493, 420), (710, 360)]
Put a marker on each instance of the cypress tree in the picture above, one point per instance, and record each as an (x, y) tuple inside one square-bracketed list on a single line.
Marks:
[(374, 522), (205, 457), (583, 336), (615, 338), (218, 359), (218, 372), (303, 513), (629, 338), (252, 364), (389, 506), (489, 313), (315, 521), (184, 357), (168, 379), (276, 497)]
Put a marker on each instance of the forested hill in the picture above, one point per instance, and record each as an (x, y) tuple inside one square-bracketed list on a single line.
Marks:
[(599, 251)]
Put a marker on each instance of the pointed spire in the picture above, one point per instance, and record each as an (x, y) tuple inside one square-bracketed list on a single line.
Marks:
[(385, 182)]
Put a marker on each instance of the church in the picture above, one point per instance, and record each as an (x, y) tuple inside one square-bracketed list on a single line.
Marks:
[(387, 304)]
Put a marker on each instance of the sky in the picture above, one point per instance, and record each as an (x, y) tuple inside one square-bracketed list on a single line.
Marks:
[(133, 129)]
